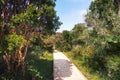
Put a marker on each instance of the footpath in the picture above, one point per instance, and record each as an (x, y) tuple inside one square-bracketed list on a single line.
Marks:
[(64, 69)]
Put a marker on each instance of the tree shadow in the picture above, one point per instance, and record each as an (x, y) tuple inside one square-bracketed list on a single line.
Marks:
[(39, 68), (62, 69)]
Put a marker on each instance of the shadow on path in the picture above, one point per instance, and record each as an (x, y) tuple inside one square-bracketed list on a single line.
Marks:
[(62, 69)]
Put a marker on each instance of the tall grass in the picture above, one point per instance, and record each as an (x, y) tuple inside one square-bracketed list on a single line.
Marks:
[(86, 70)]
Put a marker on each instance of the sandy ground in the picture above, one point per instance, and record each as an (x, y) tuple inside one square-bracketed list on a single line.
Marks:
[(64, 69)]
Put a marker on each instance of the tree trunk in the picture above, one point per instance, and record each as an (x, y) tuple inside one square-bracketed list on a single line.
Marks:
[(25, 51), (15, 62), (6, 57)]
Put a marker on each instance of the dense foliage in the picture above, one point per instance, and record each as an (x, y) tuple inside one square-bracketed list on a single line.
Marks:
[(24, 24), (97, 45)]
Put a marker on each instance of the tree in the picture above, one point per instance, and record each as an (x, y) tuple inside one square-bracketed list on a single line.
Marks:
[(104, 19), (67, 36), (79, 34), (104, 13), (20, 21)]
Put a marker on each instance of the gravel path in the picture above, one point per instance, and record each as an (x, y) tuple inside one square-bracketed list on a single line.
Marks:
[(64, 69)]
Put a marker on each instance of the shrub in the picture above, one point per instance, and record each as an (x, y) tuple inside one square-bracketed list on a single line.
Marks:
[(66, 47), (113, 67), (48, 44), (77, 50), (83, 50)]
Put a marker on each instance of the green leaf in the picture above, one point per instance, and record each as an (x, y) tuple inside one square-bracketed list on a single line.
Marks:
[(2, 1)]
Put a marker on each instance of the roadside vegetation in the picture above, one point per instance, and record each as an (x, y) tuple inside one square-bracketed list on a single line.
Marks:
[(39, 65), (25, 47), (94, 46), (27, 38)]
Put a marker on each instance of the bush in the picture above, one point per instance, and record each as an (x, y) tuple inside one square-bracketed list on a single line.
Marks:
[(113, 67), (66, 47), (48, 44), (83, 50)]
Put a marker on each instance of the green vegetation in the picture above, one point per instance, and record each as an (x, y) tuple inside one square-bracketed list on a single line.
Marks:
[(40, 65), (26, 43), (94, 46), (80, 63), (25, 47)]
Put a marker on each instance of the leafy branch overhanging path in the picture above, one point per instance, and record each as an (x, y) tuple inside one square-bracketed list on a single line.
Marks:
[(64, 69)]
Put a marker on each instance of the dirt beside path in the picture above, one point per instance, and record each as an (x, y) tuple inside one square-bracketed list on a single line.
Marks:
[(64, 69)]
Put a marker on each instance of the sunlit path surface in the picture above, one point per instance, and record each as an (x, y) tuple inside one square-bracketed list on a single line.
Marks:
[(64, 69)]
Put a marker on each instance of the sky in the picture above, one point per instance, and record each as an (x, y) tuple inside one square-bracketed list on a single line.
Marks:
[(71, 12)]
